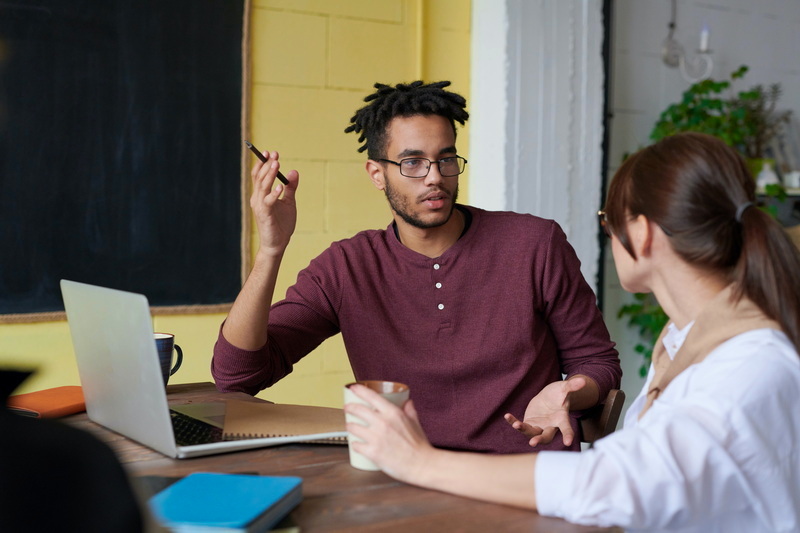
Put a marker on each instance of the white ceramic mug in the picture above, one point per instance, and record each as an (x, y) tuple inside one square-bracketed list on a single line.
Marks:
[(397, 393)]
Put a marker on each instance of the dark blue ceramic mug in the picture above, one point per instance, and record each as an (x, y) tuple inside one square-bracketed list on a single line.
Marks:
[(165, 345)]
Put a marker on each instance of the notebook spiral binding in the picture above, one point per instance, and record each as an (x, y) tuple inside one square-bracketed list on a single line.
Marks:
[(245, 436)]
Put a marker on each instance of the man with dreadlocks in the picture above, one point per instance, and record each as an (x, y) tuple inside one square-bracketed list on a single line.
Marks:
[(479, 312)]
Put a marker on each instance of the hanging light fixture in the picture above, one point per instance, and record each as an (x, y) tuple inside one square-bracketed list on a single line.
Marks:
[(695, 68)]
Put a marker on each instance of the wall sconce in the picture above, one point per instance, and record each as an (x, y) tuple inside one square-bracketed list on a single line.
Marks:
[(694, 69)]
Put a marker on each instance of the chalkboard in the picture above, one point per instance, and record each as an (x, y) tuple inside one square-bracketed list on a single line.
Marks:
[(120, 149)]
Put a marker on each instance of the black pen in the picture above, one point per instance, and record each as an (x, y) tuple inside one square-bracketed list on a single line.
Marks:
[(264, 160)]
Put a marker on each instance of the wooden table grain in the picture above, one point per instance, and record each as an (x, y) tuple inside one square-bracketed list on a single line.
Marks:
[(336, 496)]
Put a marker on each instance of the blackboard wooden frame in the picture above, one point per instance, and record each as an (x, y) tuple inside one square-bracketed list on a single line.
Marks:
[(45, 151)]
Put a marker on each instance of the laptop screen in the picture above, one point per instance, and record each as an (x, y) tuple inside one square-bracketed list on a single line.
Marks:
[(112, 335)]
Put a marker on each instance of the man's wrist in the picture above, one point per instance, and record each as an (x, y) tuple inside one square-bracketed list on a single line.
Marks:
[(585, 397), (269, 254)]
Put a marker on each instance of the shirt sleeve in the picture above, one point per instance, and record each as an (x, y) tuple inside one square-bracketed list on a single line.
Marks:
[(641, 478), (570, 308), (297, 324)]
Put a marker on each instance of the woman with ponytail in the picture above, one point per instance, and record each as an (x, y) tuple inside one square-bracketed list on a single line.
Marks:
[(711, 442)]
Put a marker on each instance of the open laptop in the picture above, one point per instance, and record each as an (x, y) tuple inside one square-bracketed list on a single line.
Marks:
[(112, 334)]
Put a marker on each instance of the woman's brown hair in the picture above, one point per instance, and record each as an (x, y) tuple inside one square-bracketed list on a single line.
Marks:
[(699, 191)]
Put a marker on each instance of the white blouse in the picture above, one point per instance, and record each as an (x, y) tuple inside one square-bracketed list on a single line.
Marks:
[(719, 450)]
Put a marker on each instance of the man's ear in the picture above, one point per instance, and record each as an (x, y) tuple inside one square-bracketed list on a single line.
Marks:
[(640, 232), (375, 171)]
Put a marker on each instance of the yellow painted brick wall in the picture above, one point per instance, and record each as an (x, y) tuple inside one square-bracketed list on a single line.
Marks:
[(312, 62)]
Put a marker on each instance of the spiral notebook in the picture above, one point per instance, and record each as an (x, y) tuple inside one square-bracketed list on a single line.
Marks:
[(248, 420)]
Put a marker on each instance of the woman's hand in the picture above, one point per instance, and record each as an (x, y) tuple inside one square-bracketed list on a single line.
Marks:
[(393, 438)]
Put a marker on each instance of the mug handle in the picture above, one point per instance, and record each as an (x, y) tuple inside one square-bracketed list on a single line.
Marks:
[(178, 361)]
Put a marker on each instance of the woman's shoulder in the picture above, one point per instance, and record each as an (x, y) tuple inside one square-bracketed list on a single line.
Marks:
[(746, 381), (760, 361), (757, 346)]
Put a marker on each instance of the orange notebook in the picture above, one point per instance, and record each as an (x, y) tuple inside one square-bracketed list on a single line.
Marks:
[(49, 403)]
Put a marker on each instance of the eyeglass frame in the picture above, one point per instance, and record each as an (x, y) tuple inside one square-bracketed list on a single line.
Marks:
[(601, 218), (461, 167)]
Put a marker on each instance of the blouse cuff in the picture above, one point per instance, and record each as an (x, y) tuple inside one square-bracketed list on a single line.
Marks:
[(554, 479)]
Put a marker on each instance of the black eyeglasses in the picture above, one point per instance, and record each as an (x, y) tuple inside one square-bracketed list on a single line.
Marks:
[(418, 167)]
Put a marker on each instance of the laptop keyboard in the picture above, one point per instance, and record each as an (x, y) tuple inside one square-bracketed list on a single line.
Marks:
[(190, 431)]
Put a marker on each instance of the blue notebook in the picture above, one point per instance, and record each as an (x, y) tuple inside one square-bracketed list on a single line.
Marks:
[(217, 502)]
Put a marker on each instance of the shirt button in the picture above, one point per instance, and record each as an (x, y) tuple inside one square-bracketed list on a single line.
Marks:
[(441, 306), (438, 285), (436, 266)]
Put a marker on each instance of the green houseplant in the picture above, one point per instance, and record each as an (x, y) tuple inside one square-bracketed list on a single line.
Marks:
[(746, 120)]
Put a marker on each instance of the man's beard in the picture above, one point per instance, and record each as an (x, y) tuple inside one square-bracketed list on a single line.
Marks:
[(400, 206)]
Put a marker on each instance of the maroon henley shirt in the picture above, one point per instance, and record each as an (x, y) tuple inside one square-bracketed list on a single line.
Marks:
[(475, 333)]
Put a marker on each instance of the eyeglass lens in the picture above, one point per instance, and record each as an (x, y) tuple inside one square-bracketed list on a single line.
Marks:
[(418, 167)]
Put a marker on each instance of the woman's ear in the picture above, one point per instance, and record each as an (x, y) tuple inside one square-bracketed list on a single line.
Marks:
[(640, 233), (376, 174)]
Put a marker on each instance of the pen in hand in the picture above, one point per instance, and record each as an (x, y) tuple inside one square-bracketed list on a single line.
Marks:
[(264, 160)]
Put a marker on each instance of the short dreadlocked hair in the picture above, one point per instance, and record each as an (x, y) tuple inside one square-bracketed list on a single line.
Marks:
[(403, 100)]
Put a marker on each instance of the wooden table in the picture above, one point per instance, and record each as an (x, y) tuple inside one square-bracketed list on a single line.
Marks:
[(336, 496)]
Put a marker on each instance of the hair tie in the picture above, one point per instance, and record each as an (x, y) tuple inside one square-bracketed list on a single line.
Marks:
[(741, 209)]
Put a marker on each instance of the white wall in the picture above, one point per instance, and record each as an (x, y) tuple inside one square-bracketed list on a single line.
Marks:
[(763, 34), (537, 112)]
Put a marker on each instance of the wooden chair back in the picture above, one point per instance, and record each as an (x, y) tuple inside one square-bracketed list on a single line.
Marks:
[(602, 419)]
